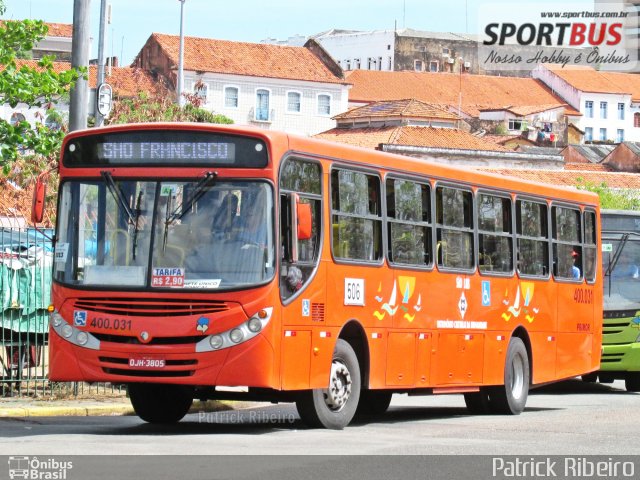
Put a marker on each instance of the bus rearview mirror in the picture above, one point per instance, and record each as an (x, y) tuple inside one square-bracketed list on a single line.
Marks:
[(38, 201)]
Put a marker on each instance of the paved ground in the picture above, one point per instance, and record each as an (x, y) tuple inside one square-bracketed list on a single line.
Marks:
[(29, 407)]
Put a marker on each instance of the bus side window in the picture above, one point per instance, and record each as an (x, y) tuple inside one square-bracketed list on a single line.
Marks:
[(299, 182)]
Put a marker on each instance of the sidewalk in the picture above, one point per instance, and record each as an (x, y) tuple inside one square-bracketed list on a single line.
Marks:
[(28, 407)]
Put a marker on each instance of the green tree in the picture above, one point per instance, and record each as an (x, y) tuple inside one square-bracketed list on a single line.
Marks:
[(35, 87), (609, 198), (159, 106)]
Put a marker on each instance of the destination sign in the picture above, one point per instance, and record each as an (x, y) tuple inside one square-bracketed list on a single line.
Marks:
[(165, 148), (168, 151)]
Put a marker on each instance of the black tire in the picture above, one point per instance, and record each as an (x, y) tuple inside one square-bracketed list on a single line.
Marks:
[(373, 402), (163, 404), (632, 382), (590, 377), (511, 397), (478, 402), (334, 407)]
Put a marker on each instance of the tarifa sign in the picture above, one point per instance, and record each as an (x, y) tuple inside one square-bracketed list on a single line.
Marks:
[(517, 36)]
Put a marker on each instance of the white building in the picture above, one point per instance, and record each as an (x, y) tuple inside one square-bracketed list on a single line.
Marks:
[(293, 89), (609, 103)]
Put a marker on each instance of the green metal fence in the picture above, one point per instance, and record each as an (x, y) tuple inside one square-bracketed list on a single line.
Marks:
[(26, 259)]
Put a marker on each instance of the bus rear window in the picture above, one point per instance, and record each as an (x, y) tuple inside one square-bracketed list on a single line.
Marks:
[(165, 147)]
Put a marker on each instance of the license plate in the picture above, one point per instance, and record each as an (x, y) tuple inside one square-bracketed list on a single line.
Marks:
[(145, 363)]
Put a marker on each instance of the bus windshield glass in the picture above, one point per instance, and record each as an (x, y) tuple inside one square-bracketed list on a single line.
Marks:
[(621, 263), (197, 234)]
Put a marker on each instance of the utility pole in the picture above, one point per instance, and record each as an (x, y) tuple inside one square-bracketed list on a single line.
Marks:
[(80, 58), (100, 80), (181, 57)]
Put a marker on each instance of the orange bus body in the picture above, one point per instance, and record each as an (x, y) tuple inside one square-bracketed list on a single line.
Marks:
[(413, 329)]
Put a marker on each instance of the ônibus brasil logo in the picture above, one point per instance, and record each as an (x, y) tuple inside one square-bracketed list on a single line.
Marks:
[(521, 36), (34, 468)]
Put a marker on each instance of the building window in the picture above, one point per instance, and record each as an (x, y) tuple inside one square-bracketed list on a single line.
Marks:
[(389, 64), (445, 51), (418, 66), (53, 121), (356, 63), (433, 66), (588, 134), (588, 109), (324, 104), (636, 119), (347, 64), (379, 63), (231, 97), (371, 63), (603, 134), (620, 135), (621, 111), (293, 102), (262, 105), (603, 110), (201, 90), (516, 124)]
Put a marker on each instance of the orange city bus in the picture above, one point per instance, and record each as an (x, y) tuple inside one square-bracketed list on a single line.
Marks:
[(225, 262)]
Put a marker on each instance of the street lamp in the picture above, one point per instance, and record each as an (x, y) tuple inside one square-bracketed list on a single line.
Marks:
[(181, 56)]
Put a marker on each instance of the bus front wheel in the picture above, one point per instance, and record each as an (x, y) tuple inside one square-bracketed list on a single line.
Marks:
[(511, 397), (156, 403), (335, 406)]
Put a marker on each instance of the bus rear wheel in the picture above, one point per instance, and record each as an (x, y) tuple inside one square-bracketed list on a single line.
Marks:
[(334, 407), (478, 402), (157, 403), (511, 397), (374, 402)]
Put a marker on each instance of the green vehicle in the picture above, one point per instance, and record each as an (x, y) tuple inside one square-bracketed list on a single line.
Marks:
[(621, 326)]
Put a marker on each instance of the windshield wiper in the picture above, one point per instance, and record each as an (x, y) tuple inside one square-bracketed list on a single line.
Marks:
[(122, 201), (198, 191), (182, 209)]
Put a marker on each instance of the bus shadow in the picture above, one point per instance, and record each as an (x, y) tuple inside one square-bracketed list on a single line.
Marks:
[(577, 386)]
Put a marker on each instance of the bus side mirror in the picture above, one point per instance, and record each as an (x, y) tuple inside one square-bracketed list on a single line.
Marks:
[(304, 220), (37, 204)]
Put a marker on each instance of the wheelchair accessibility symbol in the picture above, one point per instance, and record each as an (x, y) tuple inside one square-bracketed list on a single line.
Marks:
[(486, 293)]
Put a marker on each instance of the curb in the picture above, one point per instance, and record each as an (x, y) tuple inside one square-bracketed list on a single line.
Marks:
[(97, 410)]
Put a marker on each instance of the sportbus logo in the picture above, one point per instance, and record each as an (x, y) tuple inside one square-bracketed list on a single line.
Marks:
[(38, 469), (520, 36)]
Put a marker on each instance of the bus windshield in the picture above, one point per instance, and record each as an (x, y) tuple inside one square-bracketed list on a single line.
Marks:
[(197, 234), (622, 276)]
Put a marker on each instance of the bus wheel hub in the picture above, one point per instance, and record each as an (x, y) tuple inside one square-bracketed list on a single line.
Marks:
[(339, 386)]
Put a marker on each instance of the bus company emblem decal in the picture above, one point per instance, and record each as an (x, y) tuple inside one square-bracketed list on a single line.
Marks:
[(203, 324)]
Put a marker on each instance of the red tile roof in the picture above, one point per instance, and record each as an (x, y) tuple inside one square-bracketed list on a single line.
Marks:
[(249, 59), (478, 91), (587, 79), (126, 81), (410, 135), (589, 167), (398, 109), (55, 29), (571, 178)]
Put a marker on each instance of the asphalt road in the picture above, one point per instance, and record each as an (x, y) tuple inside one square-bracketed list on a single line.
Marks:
[(569, 418)]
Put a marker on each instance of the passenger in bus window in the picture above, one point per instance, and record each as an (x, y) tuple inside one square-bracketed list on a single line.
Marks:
[(575, 269), (253, 228)]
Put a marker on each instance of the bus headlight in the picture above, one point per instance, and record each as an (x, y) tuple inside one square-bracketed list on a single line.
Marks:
[(241, 333), (254, 324), (236, 335), (215, 341), (56, 319), (82, 338), (67, 331)]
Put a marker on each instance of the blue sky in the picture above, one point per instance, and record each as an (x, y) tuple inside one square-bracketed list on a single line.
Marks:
[(254, 20)]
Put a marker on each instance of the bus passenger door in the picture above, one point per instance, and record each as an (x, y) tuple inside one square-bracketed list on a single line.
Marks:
[(302, 290)]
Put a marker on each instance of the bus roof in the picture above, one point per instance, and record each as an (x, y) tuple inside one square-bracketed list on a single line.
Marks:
[(281, 143)]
